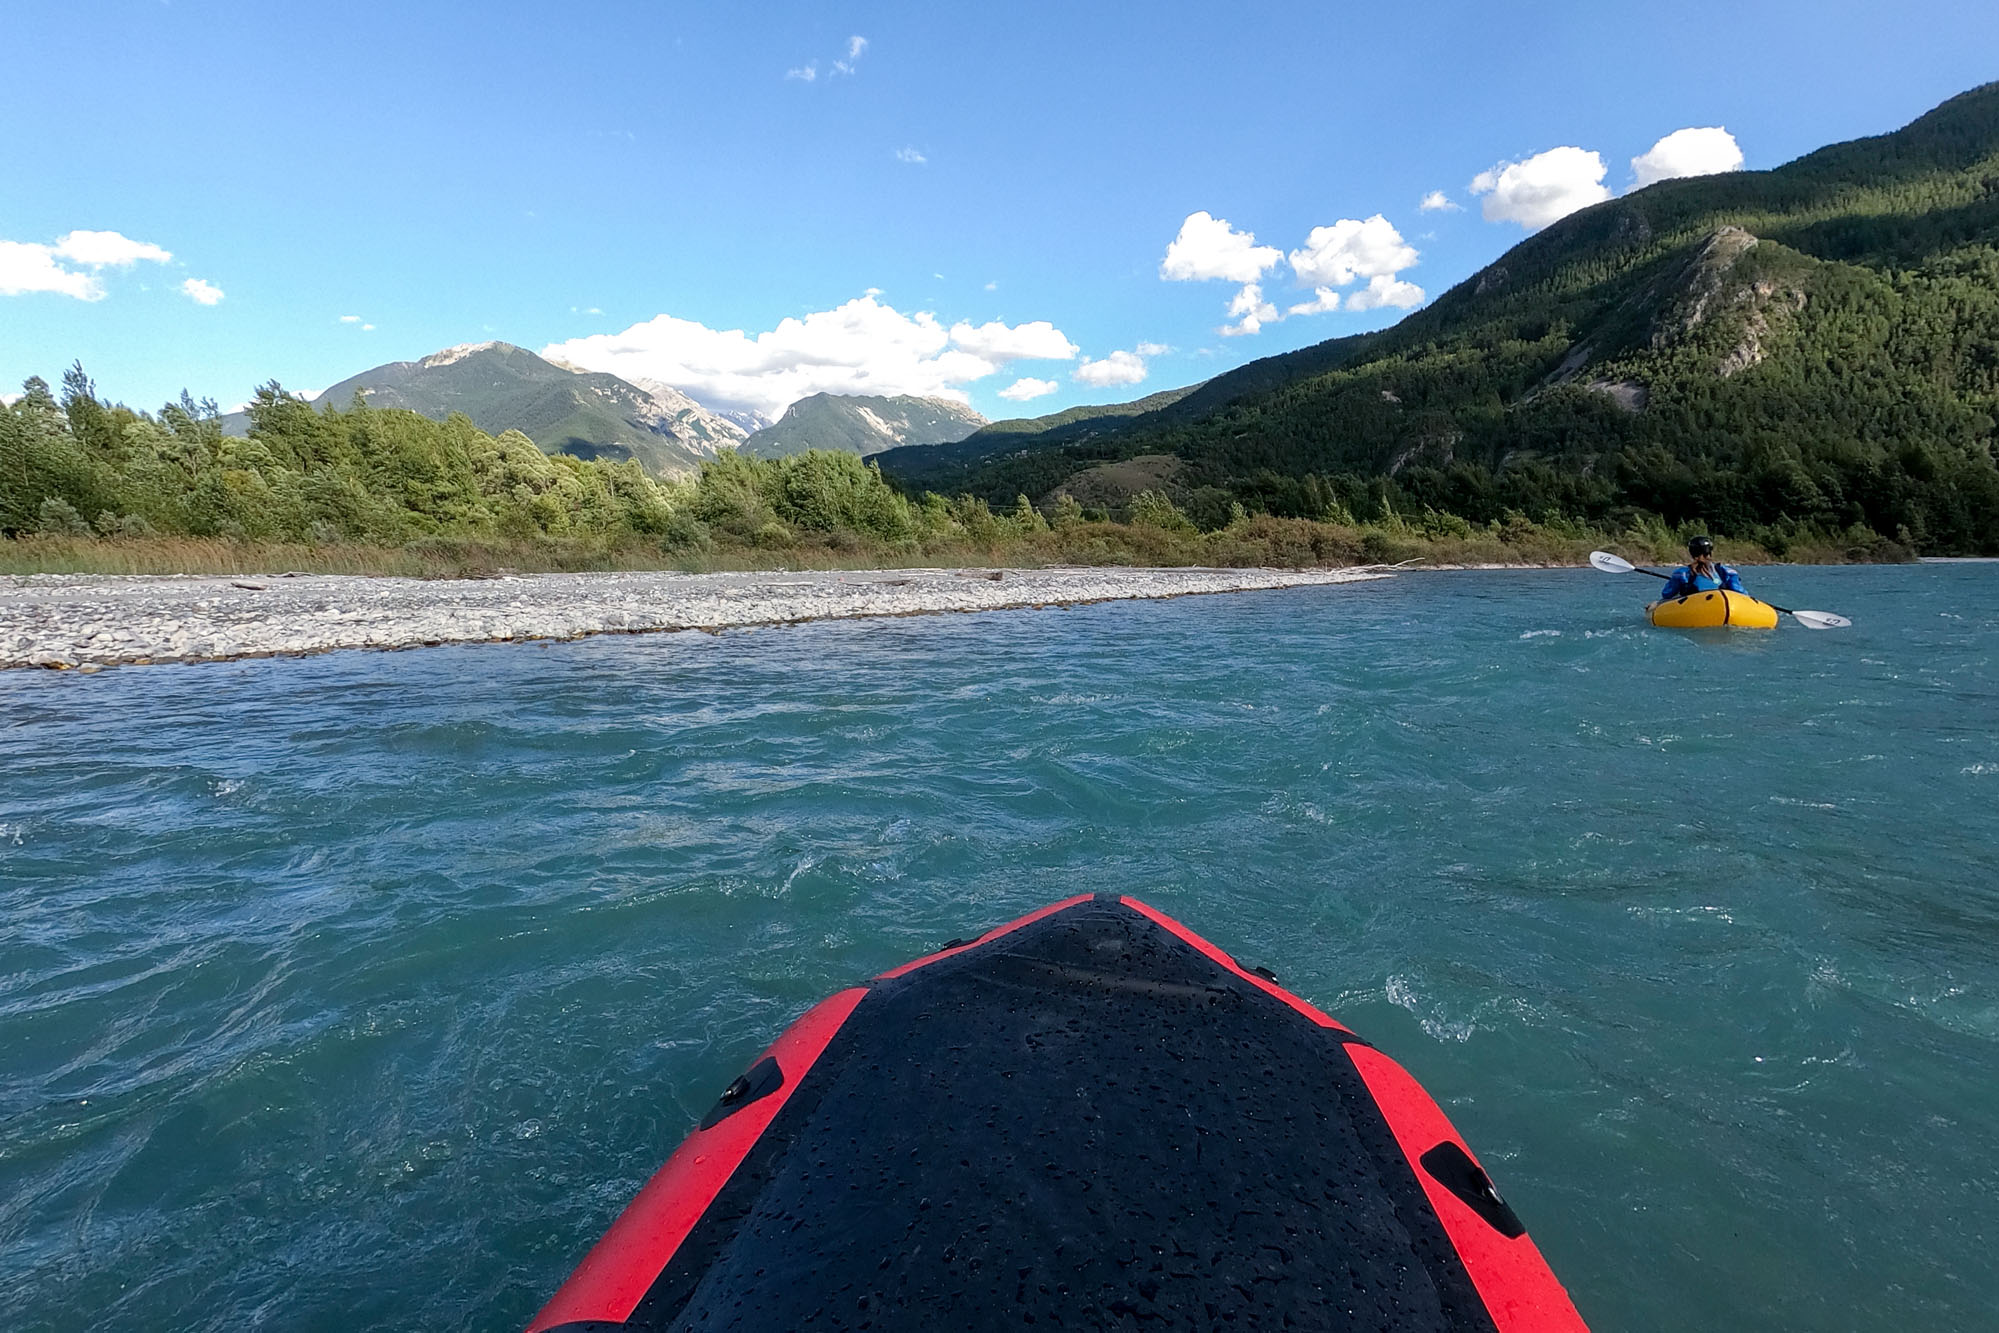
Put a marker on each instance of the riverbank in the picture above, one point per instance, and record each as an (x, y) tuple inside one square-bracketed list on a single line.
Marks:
[(1259, 541), (94, 621)]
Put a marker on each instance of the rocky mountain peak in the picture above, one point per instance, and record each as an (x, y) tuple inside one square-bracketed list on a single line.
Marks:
[(863, 424)]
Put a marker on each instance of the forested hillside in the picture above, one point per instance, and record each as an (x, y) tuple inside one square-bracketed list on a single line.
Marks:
[(1784, 355), (86, 484), (947, 463)]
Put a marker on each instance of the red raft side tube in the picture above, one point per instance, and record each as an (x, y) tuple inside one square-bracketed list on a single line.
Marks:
[(1089, 1117)]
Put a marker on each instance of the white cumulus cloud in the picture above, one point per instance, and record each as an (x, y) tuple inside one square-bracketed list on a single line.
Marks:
[(805, 73), (1436, 201), (1385, 290), (108, 249), (1334, 256), (1208, 247), (1250, 312), (1021, 390), (1338, 255), (1152, 349), (202, 293), (1323, 299), (1037, 340), (1117, 368), (1543, 188), (26, 266), (1700, 151), (350, 319), (910, 157), (861, 347)]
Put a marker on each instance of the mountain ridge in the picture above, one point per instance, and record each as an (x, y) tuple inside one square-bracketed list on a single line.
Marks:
[(562, 408), (863, 424)]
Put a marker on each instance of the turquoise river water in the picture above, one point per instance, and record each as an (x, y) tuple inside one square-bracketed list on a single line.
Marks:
[(362, 990)]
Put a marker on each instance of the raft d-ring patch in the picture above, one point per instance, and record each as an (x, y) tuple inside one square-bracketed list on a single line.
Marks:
[(1452, 1167), (762, 1079)]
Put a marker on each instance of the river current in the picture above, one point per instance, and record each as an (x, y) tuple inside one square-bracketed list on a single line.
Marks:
[(363, 990)]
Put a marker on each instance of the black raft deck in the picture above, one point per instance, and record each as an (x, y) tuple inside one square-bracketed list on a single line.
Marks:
[(1089, 1118)]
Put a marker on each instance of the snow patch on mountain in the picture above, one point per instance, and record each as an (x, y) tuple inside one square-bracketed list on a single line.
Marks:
[(748, 418), (454, 354)]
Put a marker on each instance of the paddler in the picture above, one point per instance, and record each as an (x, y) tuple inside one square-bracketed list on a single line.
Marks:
[(1701, 573)]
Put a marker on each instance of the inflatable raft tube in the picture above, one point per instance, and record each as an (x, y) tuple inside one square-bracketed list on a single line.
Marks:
[(1088, 1118), (1713, 610)]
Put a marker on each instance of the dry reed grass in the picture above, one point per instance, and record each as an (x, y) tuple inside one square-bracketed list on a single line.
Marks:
[(1262, 541)]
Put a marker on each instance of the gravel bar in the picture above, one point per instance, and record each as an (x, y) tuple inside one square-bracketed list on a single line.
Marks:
[(91, 621)]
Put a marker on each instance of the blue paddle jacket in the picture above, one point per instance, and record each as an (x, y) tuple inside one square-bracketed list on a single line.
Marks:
[(1685, 582)]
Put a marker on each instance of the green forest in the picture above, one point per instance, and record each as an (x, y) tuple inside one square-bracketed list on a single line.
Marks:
[(74, 465), (88, 485)]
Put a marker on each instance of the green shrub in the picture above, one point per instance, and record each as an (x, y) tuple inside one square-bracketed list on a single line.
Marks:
[(58, 518), (684, 532), (774, 536), (1152, 509), (1025, 518)]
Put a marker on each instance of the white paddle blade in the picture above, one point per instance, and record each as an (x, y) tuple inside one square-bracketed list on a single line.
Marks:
[(1821, 620), (1611, 564)]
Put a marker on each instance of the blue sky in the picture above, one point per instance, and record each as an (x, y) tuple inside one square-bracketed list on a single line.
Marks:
[(956, 199)]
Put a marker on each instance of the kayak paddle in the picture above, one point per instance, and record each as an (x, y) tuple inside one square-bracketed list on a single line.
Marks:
[(1614, 564)]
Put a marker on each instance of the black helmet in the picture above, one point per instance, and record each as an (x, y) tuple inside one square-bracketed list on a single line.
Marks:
[(1701, 546)]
